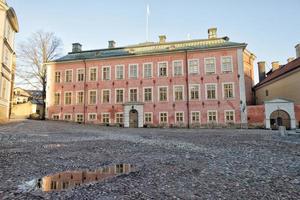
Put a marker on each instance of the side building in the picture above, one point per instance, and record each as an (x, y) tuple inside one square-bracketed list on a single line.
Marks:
[(8, 28), (193, 83)]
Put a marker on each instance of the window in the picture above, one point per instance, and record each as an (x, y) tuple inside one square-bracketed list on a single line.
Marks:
[(163, 117), (105, 118), (79, 97), (68, 98), (193, 66), (210, 65), (106, 73), (163, 93), (92, 116), (53, 185), (105, 96), (228, 90), (93, 74), (194, 92), (133, 71), (211, 91), (57, 77), (147, 94), (227, 64), (267, 93), (65, 185), (133, 96), (55, 117), (177, 68), (68, 76), (147, 117), (80, 75), (147, 70), (162, 69), (67, 117), (120, 168), (119, 118), (178, 93), (195, 117), (179, 117), (229, 116), (120, 72), (92, 97), (79, 117), (6, 56), (57, 98), (211, 116), (119, 95)]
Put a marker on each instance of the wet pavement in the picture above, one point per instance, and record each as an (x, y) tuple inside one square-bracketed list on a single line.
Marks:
[(167, 163)]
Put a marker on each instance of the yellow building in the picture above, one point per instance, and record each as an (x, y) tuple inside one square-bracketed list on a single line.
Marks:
[(8, 27)]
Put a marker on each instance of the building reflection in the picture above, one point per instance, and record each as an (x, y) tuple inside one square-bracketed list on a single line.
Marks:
[(69, 179)]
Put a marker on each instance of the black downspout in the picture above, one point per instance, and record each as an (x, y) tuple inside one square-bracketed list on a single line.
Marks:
[(187, 90), (84, 92)]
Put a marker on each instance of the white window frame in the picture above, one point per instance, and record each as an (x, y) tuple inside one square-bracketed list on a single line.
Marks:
[(176, 117), (208, 115), (151, 113), (137, 93), (123, 89), (192, 116), (137, 71), (103, 95), (151, 70), (167, 117), (77, 97), (117, 113), (225, 120), (76, 114), (216, 86), (222, 69), (151, 94), (215, 61), (182, 86), (65, 114), (199, 91), (158, 94), (60, 77), (72, 78), (60, 103), (104, 113), (96, 73), (77, 75), (198, 67), (116, 72), (89, 117), (103, 73), (158, 69), (55, 115), (65, 98), (233, 88), (173, 67), (89, 92)]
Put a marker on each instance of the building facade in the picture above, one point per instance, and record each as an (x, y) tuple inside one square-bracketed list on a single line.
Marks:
[(8, 28), (193, 83)]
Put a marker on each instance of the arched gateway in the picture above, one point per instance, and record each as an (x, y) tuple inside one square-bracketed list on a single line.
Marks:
[(133, 119), (133, 114), (280, 118)]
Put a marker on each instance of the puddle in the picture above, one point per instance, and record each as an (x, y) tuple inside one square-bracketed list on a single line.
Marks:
[(69, 179)]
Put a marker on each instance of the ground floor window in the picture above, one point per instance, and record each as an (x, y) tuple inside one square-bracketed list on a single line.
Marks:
[(55, 117), (148, 118), (211, 116), (179, 117), (229, 116), (92, 116), (119, 118), (79, 118), (105, 118), (195, 117), (163, 117), (67, 117)]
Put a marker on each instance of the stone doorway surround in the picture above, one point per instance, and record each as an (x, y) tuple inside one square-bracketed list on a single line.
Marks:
[(280, 104), (139, 107)]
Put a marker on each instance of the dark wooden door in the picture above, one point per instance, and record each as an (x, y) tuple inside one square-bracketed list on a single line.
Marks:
[(133, 119)]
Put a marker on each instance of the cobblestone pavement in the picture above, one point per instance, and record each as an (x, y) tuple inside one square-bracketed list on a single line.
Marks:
[(171, 163)]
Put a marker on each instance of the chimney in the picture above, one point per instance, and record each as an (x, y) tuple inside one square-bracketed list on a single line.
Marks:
[(111, 44), (212, 33), (76, 47), (162, 39), (261, 70), (290, 59), (275, 65), (297, 50)]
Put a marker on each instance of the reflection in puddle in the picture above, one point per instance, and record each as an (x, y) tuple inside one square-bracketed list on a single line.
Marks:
[(69, 179)]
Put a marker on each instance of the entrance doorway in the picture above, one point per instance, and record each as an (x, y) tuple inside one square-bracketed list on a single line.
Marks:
[(280, 118), (133, 118)]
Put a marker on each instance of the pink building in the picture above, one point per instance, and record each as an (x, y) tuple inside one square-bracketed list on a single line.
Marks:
[(193, 83)]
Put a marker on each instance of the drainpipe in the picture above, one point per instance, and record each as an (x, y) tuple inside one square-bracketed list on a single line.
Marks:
[(187, 89), (84, 91)]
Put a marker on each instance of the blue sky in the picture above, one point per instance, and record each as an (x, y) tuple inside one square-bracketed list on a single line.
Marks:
[(271, 28)]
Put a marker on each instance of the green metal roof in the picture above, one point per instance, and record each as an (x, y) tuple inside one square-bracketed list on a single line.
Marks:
[(152, 48)]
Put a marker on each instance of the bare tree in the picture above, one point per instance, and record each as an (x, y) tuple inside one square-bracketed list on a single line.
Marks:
[(33, 53)]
